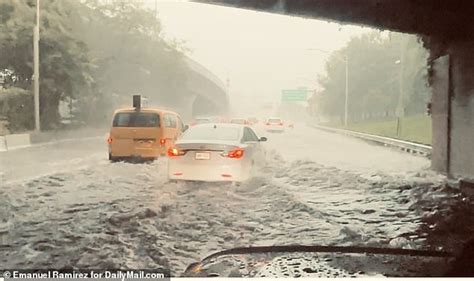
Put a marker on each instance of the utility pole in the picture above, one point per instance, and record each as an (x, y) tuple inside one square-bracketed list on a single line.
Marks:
[(400, 105), (346, 103), (36, 38)]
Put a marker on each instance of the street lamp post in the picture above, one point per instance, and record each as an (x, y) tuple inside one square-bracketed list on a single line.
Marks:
[(345, 59), (400, 105), (346, 100), (36, 38)]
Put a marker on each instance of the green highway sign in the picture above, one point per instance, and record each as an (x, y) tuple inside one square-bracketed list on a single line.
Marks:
[(300, 94)]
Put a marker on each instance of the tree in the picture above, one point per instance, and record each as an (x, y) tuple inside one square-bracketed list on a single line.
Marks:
[(90, 54), (126, 44), (64, 63), (374, 77)]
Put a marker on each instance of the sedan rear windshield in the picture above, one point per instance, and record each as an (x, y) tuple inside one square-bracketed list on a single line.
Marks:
[(202, 121), (136, 119), (274, 120), (212, 133)]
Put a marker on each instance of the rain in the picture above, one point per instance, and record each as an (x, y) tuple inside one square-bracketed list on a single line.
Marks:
[(66, 202)]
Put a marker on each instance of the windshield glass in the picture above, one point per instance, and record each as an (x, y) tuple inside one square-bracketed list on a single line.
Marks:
[(212, 133), (274, 120), (276, 264), (136, 119)]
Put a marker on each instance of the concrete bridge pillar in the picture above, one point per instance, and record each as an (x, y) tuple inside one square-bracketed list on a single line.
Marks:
[(461, 161), (187, 108), (453, 111)]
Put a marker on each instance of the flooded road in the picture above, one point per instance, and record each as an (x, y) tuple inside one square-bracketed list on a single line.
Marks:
[(317, 188)]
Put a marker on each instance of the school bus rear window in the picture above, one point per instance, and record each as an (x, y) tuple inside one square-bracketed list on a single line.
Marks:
[(136, 119)]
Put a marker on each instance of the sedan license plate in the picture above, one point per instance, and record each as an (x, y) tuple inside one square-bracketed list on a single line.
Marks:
[(202, 156)]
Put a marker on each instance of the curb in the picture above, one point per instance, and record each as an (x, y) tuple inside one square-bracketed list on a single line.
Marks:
[(3, 144), (20, 141), (17, 141)]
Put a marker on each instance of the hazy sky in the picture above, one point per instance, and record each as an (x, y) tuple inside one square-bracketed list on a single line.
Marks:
[(261, 53)]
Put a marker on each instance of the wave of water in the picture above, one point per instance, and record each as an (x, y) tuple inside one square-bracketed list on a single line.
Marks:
[(128, 216)]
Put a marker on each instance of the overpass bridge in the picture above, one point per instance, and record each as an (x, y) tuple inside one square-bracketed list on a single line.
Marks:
[(207, 93), (447, 31)]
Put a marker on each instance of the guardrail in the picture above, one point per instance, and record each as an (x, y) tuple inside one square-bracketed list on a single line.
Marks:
[(3, 143), (406, 146)]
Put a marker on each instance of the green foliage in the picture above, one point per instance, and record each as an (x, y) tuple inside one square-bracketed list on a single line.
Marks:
[(64, 69), (17, 105), (89, 53), (415, 128), (129, 53), (16, 36), (374, 77)]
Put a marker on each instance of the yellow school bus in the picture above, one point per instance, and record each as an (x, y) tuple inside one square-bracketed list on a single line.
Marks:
[(143, 133)]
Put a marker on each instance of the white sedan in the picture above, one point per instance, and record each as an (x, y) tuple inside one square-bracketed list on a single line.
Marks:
[(216, 152), (274, 124)]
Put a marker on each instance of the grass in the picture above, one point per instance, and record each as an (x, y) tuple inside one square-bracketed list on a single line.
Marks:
[(414, 128)]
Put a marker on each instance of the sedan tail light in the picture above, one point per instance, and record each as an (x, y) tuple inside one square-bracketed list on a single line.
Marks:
[(162, 141), (172, 152), (236, 153)]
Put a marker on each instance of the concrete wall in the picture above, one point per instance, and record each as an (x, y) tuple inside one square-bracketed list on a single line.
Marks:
[(453, 111), (16, 141), (461, 160), (207, 93), (3, 143), (440, 100)]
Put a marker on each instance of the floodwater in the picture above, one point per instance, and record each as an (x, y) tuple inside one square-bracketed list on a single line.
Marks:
[(70, 207)]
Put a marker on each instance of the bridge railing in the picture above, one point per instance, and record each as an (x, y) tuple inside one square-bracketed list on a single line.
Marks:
[(197, 67)]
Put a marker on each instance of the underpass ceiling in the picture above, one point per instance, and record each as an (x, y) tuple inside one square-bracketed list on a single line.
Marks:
[(444, 19)]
